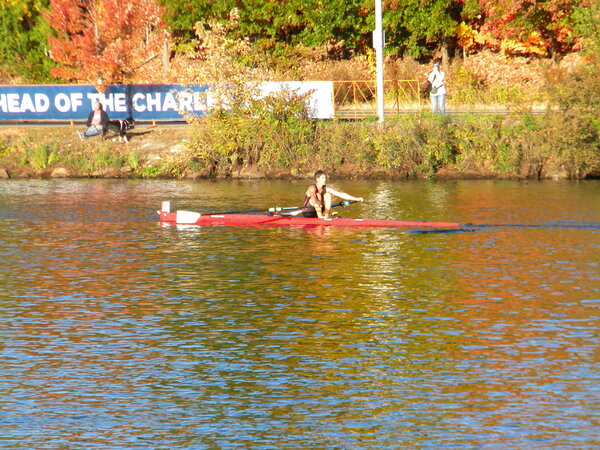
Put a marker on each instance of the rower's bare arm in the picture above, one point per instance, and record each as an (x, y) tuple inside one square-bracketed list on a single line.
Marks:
[(344, 196)]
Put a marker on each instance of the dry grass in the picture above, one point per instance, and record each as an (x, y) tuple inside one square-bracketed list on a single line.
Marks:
[(65, 135), (148, 147)]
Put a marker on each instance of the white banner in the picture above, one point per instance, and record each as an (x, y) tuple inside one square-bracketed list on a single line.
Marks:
[(141, 102), (320, 100)]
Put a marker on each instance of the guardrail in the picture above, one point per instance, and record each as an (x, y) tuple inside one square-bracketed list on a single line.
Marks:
[(355, 99), (358, 99)]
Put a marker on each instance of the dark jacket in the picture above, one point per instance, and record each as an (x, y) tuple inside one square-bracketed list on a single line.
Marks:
[(105, 119)]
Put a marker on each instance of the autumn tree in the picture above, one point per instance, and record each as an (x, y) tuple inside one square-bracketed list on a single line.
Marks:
[(340, 27), (103, 37), (543, 27)]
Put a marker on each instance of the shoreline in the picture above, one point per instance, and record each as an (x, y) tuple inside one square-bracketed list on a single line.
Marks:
[(252, 173), (55, 152)]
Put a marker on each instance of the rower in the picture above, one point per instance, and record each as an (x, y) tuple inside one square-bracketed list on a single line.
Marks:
[(319, 197)]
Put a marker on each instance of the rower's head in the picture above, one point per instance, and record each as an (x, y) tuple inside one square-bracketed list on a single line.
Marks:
[(320, 177)]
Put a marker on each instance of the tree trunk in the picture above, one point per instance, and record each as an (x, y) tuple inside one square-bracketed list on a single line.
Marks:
[(165, 55)]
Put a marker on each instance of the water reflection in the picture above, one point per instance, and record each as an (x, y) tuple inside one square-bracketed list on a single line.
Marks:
[(117, 331)]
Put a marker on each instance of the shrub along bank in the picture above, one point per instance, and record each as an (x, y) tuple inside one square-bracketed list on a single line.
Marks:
[(553, 145), (531, 146)]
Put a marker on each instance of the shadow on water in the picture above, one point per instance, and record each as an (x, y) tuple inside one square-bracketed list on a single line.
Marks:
[(471, 228), (443, 230), (543, 226)]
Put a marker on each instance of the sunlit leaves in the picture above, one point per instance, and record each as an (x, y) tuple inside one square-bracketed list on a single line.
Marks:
[(419, 26), (413, 27), (115, 38), (107, 37), (274, 25), (23, 39), (543, 27), (587, 26)]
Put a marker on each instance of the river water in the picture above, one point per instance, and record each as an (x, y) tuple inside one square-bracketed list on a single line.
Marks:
[(119, 333)]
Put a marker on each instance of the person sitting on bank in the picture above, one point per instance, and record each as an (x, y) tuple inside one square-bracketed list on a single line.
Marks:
[(319, 197), (97, 122)]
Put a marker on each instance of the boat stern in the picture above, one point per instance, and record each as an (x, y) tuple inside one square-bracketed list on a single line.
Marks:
[(165, 215), (176, 218)]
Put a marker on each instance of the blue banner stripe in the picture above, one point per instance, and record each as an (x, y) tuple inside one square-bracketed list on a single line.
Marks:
[(74, 102)]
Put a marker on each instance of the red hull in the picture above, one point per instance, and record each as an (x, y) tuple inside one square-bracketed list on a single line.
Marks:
[(191, 218)]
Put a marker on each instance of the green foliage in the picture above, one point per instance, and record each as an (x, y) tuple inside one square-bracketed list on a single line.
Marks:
[(286, 131), (416, 27), (435, 137), (278, 139), (42, 155), (331, 144), (14, 150), (555, 141), (150, 172), (587, 27), (514, 97), (24, 40), (468, 87), (103, 37), (481, 144), (532, 146), (105, 157), (575, 90), (398, 149), (245, 126), (181, 16), (133, 159), (23, 151), (271, 132), (338, 26), (5, 148), (97, 156)]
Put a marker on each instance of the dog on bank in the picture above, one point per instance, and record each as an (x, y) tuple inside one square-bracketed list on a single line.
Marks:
[(120, 127)]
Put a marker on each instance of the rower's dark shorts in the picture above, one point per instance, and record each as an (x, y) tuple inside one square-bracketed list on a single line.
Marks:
[(309, 211)]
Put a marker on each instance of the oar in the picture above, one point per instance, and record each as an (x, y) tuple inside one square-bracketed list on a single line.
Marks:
[(274, 209), (298, 209), (278, 208), (246, 211)]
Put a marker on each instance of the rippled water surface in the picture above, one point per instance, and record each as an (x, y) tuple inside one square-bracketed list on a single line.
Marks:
[(119, 333)]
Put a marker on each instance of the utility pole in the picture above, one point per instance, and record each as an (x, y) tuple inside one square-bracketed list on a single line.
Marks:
[(378, 44)]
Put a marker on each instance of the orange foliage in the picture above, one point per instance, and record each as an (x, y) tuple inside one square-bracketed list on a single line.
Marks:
[(107, 37), (472, 41), (521, 27)]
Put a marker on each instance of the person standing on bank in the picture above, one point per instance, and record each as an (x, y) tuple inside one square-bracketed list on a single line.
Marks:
[(97, 122), (319, 197), (437, 94)]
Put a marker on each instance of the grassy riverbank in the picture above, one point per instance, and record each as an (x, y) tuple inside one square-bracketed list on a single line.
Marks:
[(525, 146)]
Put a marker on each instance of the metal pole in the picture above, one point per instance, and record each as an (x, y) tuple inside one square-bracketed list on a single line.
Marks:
[(378, 44)]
